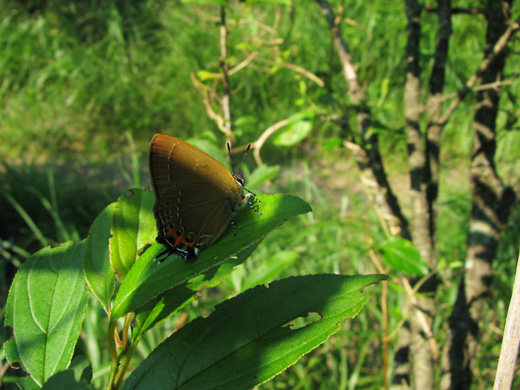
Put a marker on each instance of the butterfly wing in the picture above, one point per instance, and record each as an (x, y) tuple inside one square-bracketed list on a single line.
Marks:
[(195, 194)]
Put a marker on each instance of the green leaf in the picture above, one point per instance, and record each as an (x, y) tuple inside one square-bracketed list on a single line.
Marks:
[(331, 143), (204, 75), (246, 120), (147, 279), (262, 174), (133, 226), (82, 368), (245, 341), (267, 270), (27, 383), (298, 128), (47, 303), (178, 297), (402, 256), (65, 380), (99, 273)]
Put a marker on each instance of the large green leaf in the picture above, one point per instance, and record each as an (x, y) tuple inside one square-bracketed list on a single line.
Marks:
[(178, 297), (246, 340), (99, 273), (46, 306), (147, 278), (133, 226), (27, 383)]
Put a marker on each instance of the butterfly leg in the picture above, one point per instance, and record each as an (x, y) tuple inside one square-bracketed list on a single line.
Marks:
[(168, 250), (253, 195)]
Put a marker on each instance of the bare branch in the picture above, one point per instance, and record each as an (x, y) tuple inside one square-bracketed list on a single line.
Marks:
[(226, 98), (481, 87), (265, 135), (498, 48), (243, 64), (206, 99), (297, 69), (341, 46), (455, 10)]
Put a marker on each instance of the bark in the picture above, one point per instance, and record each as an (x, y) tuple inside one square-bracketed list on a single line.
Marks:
[(366, 152), (491, 202), (434, 108)]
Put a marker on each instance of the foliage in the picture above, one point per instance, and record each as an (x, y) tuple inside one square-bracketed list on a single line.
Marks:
[(243, 343)]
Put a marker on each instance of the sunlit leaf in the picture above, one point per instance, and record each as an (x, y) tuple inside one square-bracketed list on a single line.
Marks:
[(246, 340)]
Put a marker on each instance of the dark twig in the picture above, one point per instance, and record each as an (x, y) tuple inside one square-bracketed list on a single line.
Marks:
[(226, 97)]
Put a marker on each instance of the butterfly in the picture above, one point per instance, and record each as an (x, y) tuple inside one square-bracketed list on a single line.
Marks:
[(196, 196)]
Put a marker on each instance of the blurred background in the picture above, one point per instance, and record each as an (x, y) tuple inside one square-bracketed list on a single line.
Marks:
[(85, 85)]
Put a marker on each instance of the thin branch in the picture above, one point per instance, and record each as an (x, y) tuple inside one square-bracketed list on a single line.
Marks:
[(226, 98), (206, 99), (345, 57), (455, 10), (265, 135), (477, 88), (499, 46), (244, 63), (297, 69), (305, 72)]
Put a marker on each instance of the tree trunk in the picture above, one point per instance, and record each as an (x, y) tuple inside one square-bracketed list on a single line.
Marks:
[(490, 205), (422, 314)]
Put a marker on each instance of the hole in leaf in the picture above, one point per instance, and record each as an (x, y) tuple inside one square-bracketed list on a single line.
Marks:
[(303, 321)]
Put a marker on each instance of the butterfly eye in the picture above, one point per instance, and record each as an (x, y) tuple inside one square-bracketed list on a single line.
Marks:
[(240, 180)]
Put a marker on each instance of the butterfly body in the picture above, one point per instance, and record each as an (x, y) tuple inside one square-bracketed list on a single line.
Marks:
[(196, 195)]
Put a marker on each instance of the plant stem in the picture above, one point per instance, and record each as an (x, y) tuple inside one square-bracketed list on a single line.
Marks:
[(113, 353)]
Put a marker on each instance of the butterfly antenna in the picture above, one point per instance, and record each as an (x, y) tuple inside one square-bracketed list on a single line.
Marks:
[(229, 157), (243, 158), (235, 171)]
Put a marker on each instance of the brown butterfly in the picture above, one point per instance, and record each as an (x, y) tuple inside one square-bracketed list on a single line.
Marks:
[(196, 196)]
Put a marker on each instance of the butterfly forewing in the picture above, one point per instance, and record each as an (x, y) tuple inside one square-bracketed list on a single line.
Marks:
[(195, 194)]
